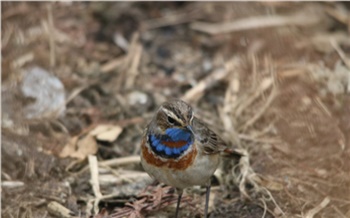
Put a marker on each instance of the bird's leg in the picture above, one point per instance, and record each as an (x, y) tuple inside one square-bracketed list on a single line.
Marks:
[(179, 191), (207, 201), (154, 182)]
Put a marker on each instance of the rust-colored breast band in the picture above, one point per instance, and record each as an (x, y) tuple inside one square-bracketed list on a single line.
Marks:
[(177, 144), (181, 164)]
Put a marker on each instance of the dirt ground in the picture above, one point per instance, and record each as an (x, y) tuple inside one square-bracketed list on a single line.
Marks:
[(81, 80)]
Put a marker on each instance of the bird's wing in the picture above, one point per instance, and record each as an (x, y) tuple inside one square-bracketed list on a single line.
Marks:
[(209, 141)]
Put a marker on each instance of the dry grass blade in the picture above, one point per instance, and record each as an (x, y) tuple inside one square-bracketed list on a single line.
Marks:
[(12, 184), (127, 65), (133, 70), (51, 30), (58, 210), (258, 114), (340, 15), (241, 105), (77, 91), (170, 20), (339, 212), (265, 208), (246, 170), (123, 177), (113, 64), (341, 53), (311, 213), (22, 60), (231, 97), (255, 23), (198, 91), (95, 181), (114, 162), (120, 161), (7, 34)]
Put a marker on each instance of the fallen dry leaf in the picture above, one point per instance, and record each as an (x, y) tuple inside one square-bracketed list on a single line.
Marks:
[(105, 132), (80, 147)]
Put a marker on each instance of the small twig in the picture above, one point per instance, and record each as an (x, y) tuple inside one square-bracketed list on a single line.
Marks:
[(124, 63), (311, 213), (112, 162), (229, 128), (197, 92), (133, 70), (128, 61), (9, 30), (337, 14), (323, 106), (113, 64), (170, 20), (291, 73), (12, 184), (50, 33), (77, 91), (231, 97), (120, 161), (311, 184), (130, 177), (255, 72), (58, 210), (255, 23), (121, 42), (265, 207), (338, 211), (340, 52), (259, 113), (274, 201), (22, 60), (245, 171), (265, 85), (93, 164)]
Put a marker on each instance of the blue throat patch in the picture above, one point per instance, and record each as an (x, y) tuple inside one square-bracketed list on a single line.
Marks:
[(171, 135)]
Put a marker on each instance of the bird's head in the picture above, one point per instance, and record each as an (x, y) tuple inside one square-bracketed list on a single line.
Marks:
[(175, 114)]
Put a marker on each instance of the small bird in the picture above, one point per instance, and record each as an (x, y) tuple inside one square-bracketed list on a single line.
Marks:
[(180, 150)]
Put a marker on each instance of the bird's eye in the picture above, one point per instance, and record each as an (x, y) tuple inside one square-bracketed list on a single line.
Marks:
[(171, 120)]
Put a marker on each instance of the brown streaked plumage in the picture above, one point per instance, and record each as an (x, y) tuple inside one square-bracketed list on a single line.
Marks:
[(180, 150)]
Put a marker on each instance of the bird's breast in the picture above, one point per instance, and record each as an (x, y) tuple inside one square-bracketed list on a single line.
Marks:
[(194, 168), (181, 163)]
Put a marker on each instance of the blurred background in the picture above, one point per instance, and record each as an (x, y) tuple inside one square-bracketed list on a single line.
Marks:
[(81, 80)]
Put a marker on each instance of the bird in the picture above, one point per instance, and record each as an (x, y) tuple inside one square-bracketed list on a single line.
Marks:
[(178, 149)]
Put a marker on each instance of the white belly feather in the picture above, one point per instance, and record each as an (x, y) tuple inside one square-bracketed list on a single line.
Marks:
[(198, 173)]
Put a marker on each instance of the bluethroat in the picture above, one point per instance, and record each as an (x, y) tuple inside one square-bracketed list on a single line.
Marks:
[(180, 150)]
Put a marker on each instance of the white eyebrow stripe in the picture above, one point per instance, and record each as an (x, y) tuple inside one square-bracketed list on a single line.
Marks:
[(172, 115), (191, 118)]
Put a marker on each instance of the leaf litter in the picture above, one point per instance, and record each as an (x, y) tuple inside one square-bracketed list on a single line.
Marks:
[(276, 87)]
